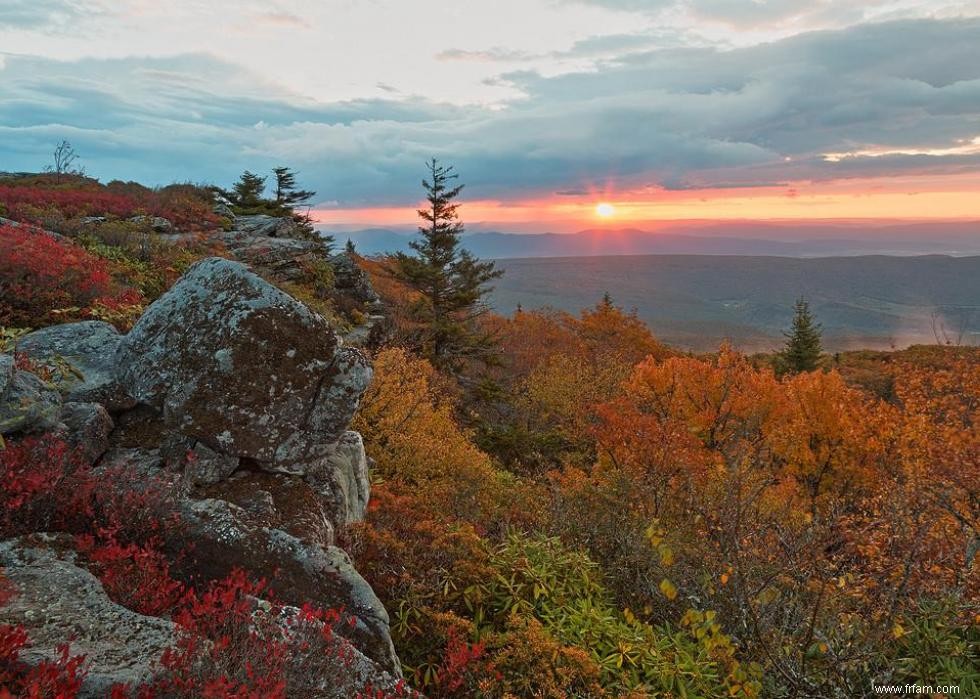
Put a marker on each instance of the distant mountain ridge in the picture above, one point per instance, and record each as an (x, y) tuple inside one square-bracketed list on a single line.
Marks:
[(736, 238)]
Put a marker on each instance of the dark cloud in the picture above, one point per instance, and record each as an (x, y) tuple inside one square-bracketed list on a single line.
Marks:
[(677, 117)]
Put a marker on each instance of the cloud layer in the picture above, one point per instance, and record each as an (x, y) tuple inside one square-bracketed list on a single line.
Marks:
[(652, 108)]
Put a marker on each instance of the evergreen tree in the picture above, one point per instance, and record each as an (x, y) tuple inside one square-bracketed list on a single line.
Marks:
[(451, 281), (287, 195), (246, 194), (802, 350)]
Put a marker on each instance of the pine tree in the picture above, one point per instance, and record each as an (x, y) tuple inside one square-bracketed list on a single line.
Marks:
[(287, 195), (451, 281), (802, 350), (246, 194)]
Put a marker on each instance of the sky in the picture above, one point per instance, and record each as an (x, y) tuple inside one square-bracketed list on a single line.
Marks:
[(662, 109)]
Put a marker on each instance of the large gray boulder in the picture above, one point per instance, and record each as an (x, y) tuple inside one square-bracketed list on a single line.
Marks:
[(27, 403), (89, 348), (58, 602), (241, 366)]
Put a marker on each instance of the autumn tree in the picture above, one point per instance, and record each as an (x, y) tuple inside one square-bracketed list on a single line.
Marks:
[(451, 282), (803, 348)]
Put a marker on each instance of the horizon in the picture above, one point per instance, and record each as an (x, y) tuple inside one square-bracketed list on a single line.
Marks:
[(573, 226)]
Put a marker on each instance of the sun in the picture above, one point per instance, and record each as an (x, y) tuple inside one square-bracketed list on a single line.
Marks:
[(605, 210)]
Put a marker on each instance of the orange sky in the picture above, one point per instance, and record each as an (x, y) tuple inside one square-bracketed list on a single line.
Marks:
[(914, 197)]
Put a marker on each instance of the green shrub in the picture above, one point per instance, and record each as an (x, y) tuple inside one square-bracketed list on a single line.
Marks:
[(539, 578)]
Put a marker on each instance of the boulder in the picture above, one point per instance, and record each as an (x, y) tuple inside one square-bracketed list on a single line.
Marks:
[(143, 464), (286, 258), (89, 348), (341, 480), (86, 426), (349, 277), (28, 403), (56, 601), (304, 573), (263, 225), (158, 224), (278, 501), (203, 465), (222, 209), (236, 363)]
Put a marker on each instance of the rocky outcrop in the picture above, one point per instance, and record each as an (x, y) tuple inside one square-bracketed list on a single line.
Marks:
[(341, 479), (58, 602), (86, 351), (224, 540), (158, 224), (267, 226), (350, 278), (239, 365), (241, 397), (285, 258)]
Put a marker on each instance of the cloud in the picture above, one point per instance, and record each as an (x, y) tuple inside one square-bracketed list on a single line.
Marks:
[(747, 14), (600, 46), (46, 14), (282, 19), (902, 98), (491, 55)]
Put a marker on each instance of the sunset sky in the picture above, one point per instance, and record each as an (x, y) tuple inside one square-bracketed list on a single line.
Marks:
[(662, 109)]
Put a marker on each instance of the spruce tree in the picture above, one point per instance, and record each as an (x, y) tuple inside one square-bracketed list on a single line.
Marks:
[(802, 350), (451, 282), (287, 195), (246, 194)]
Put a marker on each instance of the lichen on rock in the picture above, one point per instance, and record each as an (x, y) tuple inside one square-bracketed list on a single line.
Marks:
[(241, 366)]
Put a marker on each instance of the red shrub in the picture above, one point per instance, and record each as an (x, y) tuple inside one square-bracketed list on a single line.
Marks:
[(222, 652), (188, 207), (462, 662), (137, 576), (59, 679), (229, 646), (41, 274), (29, 204), (44, 486)]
